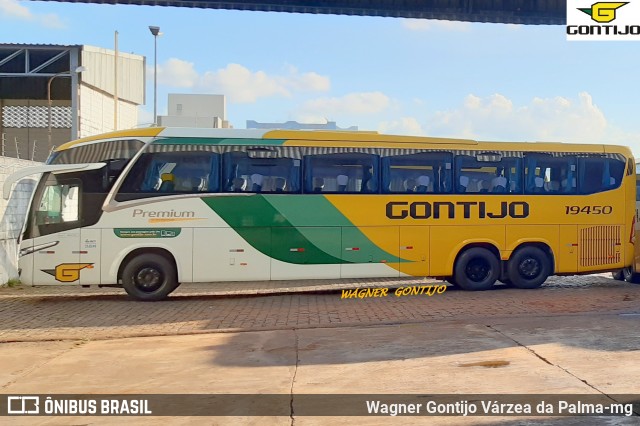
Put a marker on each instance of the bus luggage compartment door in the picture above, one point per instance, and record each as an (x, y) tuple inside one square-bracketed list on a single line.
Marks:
[(307, 252), (369, 251), (414, 250)]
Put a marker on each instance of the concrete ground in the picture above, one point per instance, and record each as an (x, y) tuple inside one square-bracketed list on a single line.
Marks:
[(574, 336)]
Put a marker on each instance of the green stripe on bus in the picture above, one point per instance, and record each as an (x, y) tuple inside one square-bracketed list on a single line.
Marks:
[(316, 210), (310, 223), (247, 214)]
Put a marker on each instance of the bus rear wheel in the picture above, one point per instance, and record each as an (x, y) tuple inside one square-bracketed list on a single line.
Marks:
[(630, 276), (476, 269), (618, 275), (149, 277), (529, 267)]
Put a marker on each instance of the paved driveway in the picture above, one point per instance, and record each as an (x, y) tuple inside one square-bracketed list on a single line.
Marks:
[(576, 335)]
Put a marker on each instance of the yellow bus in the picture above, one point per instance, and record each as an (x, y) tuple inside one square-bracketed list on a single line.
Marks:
[(147, 209), (631, 274)]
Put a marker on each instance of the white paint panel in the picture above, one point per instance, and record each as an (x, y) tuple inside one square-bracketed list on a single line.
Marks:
[(90, 247), (220, 254)]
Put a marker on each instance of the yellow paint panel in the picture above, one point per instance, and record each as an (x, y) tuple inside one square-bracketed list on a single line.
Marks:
[(385, 237), (567, 251), (363, 215), (414, 246)]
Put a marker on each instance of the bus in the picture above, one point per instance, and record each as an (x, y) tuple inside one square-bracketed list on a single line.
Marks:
[(631, 273), (147, 209)]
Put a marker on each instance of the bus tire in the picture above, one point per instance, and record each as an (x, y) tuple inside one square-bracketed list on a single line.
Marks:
[(529, 267), (149, 277), (476, 269), (618, 275), (630, 276)]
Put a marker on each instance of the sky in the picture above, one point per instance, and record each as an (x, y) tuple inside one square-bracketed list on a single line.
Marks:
[(494, 82)]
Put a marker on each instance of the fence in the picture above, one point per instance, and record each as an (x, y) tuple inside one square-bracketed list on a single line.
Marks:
[(20, 148)]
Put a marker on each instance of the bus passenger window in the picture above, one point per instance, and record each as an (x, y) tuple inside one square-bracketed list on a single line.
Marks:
[(261, 170), (488, 173), (556, 174), (347, 172), (177, 172), (422, 172), (597, 174)]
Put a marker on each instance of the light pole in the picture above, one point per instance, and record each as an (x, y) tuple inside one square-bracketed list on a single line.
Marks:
[(155, 31), (49, 102)]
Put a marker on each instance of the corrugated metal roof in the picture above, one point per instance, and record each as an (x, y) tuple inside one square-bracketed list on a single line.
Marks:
[(551, 12)]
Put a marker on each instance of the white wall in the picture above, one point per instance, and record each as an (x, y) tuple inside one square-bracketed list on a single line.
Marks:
[(203, 122), (193, 105), (100, 73), (195, 110), (96, 112), (12, 214)]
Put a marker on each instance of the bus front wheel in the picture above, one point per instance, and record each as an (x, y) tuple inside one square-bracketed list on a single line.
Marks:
[(476, 269), (149, 277), (529, 267)]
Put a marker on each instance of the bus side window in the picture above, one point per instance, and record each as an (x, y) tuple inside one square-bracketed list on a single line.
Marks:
[(597, 174), (161, 173), (348, 172), (422, 172), (488, 173), (558, 174), (253, 171)]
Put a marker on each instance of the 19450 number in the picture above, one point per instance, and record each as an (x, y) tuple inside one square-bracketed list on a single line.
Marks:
[(588, 209)]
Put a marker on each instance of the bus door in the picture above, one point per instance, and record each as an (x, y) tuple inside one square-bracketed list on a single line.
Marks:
[(54, 230)]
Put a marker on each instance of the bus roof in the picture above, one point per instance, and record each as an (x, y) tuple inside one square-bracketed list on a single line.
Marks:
[(342, 138)]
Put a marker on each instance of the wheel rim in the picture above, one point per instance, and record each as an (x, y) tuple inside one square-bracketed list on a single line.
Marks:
[(148, 279), (529, 268), (478, 270)]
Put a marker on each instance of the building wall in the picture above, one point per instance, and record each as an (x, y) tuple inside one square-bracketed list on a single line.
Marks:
[(24, 127), (197, 105), (203, 122), (100, 73), (12, 213), (294, 125), (195, 110), (97, 112)]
